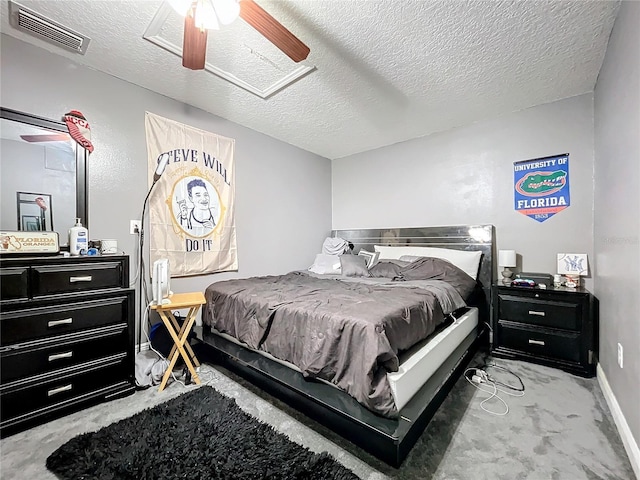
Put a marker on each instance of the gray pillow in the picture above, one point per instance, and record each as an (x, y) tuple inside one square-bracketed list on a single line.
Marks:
[(429, 268), (386, 269), (354, 266)]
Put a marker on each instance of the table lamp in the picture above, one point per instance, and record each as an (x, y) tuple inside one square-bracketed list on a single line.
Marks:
[(507, 259)]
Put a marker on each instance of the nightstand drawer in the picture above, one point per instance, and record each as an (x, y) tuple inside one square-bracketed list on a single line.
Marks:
[(540, 342), (47, 356), (544, 312), (27, 325), (54, 279)]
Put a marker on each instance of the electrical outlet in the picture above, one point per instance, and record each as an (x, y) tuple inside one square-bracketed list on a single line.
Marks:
[(134, 227), (620, 355)]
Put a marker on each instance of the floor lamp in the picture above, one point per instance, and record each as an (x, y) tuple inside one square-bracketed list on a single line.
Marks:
[(162, 165)]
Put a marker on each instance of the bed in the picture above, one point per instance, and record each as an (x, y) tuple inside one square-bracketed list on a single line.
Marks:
[(372, 358)]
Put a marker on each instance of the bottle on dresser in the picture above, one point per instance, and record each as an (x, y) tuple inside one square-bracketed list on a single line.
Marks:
[(78, 239)]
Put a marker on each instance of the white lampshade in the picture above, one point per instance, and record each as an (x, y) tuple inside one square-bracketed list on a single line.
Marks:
[(507, 258)]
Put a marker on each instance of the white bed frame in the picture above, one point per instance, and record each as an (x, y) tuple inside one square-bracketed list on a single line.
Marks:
[(415, 370)]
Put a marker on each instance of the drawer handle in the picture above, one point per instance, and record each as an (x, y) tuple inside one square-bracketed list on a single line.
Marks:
[(55, 391), (534, 312), (86, 278), (536, 342), (58, 356), (64, 321)]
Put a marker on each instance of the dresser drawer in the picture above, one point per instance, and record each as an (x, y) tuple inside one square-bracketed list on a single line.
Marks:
[(60, 387), (540, 342), (54, 279), (30, 324), (46, 356), (14, 283), (544, 312)]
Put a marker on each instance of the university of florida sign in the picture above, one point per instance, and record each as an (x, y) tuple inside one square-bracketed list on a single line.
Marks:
[(541, 186)]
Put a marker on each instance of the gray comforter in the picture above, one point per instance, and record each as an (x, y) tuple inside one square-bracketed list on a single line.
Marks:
[(348, 332)]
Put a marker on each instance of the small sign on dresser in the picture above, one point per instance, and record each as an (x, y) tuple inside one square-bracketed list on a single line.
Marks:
[(28, 242)]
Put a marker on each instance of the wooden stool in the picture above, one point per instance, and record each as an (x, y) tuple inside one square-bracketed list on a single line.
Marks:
[(193, 301)]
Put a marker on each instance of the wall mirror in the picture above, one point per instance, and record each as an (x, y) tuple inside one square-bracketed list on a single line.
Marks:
[(43, 175)]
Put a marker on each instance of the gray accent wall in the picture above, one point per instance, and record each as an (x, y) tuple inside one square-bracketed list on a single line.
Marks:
[(465, 176), (617, 211), (283, 194)]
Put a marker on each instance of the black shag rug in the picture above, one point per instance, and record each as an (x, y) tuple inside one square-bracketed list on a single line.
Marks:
[(198, 435)]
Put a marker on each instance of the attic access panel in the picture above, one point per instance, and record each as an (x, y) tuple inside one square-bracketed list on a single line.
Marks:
[(236, 53)]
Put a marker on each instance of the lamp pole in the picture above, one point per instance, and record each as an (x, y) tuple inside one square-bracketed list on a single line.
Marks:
[(144, 300)]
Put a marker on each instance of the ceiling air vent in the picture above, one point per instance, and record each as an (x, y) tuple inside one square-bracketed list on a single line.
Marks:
[(42, 27)]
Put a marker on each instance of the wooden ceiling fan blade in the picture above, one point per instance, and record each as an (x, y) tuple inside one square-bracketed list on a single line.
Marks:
[(272, 30), (194, 44), (53, 137)]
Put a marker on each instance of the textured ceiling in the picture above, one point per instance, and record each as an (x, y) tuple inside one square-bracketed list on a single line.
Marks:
[(385, 71)]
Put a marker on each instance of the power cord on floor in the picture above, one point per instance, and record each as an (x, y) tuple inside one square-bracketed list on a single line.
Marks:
[(506, 385), (483, 381)]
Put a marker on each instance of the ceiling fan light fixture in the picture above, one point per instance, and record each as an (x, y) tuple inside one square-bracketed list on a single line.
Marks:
[(210, 14), (181, 6), (205, 15), (226, 10)]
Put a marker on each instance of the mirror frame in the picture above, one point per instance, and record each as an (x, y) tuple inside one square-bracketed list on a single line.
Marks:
[(82, 156)]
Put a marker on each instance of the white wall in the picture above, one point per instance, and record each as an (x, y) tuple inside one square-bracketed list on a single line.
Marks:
[(283, 194), (465, 176), (617, 213)]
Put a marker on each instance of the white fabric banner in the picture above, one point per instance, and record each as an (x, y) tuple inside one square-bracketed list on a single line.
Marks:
[(191, 207)]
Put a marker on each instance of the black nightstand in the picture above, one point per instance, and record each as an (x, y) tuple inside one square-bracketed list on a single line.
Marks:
[(554, 326)]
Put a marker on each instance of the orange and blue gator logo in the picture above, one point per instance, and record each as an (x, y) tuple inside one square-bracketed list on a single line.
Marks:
[(541, 186)]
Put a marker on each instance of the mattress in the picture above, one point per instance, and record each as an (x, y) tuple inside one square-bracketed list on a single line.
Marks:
[(418, 367), (345, 331)]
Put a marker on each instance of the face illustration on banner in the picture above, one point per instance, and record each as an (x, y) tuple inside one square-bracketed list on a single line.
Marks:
[(196, 206)]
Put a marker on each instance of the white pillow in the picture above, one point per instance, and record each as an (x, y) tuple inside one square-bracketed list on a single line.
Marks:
[(324, 264), (465, 260)]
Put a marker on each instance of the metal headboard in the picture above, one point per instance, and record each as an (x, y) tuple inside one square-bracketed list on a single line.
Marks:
[(460, 237)]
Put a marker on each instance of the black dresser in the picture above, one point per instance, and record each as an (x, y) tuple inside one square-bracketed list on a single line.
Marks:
[(66, 336), (555, 327)]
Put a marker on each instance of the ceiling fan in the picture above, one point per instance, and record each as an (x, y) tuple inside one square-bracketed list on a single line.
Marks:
[(202, 15)]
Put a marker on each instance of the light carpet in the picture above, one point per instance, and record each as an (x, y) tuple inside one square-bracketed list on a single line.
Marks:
[(561, 430)]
